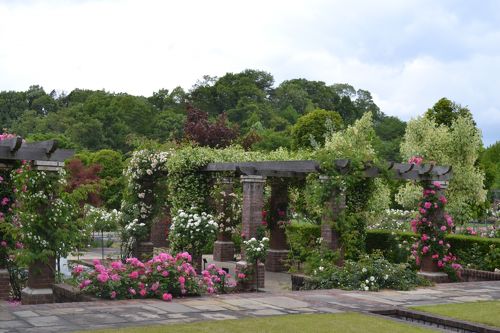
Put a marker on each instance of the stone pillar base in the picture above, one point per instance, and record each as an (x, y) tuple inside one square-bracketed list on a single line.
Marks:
[(436, 277), (4, 284), (276, 260), (37, 295), (249, 284), (223, 251)]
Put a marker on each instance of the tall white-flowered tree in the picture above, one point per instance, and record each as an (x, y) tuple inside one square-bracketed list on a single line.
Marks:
[(458, 146), (145, 194)]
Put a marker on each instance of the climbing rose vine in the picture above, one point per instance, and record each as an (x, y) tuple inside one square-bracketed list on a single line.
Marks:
[(432, 224)]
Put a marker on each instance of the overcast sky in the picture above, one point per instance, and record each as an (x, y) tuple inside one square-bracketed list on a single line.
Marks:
[(408, 54)]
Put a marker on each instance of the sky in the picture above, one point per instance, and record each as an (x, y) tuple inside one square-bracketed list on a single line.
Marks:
[(408, 54)]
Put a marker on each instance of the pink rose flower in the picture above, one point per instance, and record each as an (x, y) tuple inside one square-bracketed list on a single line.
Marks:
[(132, 291), (134, 275), (166, 297), (155, 286), (427, 205), (443, 228), (182, 280), (3, 243), (103, 277), (425, 249), (164, 273), (143, 292), (113, 294), (117, 265)]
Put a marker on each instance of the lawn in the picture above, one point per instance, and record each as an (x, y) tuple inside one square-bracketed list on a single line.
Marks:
[(342, 322), (480, 312)]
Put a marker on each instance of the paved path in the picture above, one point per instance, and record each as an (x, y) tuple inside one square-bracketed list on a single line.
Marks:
[(106, 314)]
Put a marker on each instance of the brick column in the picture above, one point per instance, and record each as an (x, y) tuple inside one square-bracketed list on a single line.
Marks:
[(224, 246), (251, 215), (333, 207), (41, 277), (253, 203), (278, 246), (4, 284), (159, 229)]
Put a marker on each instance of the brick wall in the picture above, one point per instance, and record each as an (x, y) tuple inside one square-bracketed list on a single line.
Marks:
[(469, 275)]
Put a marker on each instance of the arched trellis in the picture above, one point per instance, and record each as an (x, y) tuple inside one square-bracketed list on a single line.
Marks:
[(44, 156), (253, 177)]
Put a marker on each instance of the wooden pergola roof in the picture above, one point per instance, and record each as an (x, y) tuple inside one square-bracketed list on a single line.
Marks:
[(404, 171), (45, 154)]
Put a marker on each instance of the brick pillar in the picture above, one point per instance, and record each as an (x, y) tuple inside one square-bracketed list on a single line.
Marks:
[(333, 207), (159, 229), (253, 203), (224, 246), (278, 246), (251, 215), (4, 284), (251, 282), (41, 277)]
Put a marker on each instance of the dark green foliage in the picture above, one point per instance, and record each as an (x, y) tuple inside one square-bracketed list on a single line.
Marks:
[(393, 245), (302, 238), (313, 127), (445, 112), (390, 131), (96, 119), (489, 161)]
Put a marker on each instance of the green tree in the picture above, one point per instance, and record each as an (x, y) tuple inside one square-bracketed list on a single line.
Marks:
[(445, 112), (458, 146), (313, 127)]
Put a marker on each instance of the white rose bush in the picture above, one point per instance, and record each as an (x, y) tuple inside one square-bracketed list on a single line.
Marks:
[(192, 230)]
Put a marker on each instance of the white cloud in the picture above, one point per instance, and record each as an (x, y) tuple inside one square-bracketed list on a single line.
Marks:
[(407, 53)]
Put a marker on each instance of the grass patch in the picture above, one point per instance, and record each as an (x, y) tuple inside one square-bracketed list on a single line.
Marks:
[(341, 322), (479, 312)]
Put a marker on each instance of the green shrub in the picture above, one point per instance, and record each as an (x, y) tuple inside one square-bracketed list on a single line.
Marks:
[(302, 237), (395, 246), (370, 272)]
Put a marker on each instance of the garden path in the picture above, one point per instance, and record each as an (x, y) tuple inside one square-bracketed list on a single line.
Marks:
[(67, 317)]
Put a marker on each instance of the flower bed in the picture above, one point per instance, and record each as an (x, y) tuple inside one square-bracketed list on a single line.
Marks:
[(164, 277)]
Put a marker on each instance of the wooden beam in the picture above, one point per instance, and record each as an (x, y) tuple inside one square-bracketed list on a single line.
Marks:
[(32, 154)]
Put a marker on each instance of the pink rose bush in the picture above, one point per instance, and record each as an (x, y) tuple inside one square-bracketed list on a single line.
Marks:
[(432, 224), (164, 277), (216, 279)]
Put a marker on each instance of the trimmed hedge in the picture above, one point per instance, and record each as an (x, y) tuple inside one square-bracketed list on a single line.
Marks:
[(472, 252)]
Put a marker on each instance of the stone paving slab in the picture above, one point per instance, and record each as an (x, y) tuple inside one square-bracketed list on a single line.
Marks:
[(115, 314)]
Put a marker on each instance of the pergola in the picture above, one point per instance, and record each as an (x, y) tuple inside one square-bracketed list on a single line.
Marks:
[(253, 176), (45, 156)]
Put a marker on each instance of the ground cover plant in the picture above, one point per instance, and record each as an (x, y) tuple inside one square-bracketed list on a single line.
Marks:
[(342, 322), (479, 312)]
